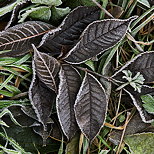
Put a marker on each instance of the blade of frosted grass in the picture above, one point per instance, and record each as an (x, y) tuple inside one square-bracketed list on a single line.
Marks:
[(4, 73), (4, 51), (137, 29), (6, 81), (6, 111), (61, 149), (6, 103), (12, 89), (10, 151), (7, 60), (22, 67), (130, 10), (85, 145), (124, 4), (141, 17), (23, 59), (6, 93), (15, 73), (104, 5), (110, 56), (104, 142), (15, 145)]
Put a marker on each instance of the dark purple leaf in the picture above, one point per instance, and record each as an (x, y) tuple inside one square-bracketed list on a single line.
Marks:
[(70, 81), (42, 99), (19, 38), (97, 38), (91, 107), (67, 34), (47, 68)]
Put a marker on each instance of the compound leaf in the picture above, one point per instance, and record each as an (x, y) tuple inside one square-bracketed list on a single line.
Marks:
[(19, 38), (47, 68), (91, 106), (42, 99), (68, 88), (97, 38), (67, 34)]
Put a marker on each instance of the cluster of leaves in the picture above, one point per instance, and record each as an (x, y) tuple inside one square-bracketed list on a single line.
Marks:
[(61, 82)]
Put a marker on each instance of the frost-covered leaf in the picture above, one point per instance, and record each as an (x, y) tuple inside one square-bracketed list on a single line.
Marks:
[(8, 8), (140, 143), (47, 68), (142, 63), (15, 12), (19, 38), (97, 38), (136, 125), (67, 34), (42, 99), (148, 101), (91, 106), (136, 98), (70, 81), (58, 13), (38, 13), (48, 2)]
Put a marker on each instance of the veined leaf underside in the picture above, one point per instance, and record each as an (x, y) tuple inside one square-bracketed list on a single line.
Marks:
[(19, 38)]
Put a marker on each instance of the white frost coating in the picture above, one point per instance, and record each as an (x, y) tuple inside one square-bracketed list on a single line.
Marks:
[(78, 98), (131, 61), (36, 53), (53, 31), (62, 80), (99, 21), (139, 108), (30, 94), (60, 27), (61, 77)]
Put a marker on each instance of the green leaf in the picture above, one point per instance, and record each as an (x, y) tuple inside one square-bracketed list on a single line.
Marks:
[(140, 143), (73, 145), (58, 13), (148, 101), (40, 13), (48, 2), (144, 2), (8, 8)]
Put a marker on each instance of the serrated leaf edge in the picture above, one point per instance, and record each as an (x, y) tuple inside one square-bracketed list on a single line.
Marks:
[(59, 92), (131, 61), (138, 108), (77, 97), (98, 21)]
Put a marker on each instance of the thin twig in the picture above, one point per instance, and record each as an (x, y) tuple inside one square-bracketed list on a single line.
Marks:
[(105, 11)]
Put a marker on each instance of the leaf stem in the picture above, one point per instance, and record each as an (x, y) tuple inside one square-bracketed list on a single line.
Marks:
[(103, 9)]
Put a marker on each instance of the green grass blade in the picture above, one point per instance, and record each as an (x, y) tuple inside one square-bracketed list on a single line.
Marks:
[(6, 81), (137, 29)]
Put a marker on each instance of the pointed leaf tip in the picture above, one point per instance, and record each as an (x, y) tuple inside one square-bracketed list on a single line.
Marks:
[(97, 38), (91, 106)]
